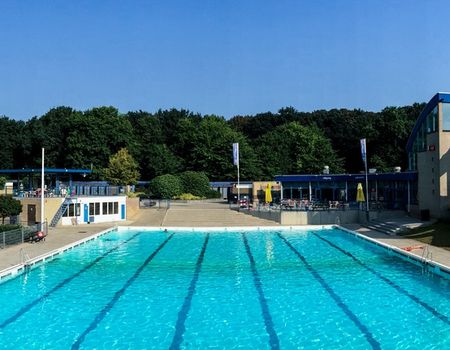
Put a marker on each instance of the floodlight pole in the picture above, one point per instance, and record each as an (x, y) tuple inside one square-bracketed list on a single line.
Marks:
[(42, 191)]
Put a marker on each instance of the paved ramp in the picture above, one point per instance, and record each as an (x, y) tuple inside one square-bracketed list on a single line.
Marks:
[(201, 213), (212, 217)]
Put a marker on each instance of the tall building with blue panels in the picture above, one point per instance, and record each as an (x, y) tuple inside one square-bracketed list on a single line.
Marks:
[(428, 153)]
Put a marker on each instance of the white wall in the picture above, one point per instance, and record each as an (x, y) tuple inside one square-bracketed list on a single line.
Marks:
[(85, 216)]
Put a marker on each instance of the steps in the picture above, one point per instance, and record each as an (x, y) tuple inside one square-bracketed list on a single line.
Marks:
[(387, 228), (60, 212)]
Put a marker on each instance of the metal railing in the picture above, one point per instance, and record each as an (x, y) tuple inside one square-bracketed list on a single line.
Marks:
[(21, 234), (304, 205), (60, 212), (154, 203)]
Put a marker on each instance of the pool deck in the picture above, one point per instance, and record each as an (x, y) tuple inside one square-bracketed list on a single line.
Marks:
[(190, 215), (439, 255), (200, 214)]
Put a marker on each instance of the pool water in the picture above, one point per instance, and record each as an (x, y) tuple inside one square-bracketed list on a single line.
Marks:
[(283, 289)]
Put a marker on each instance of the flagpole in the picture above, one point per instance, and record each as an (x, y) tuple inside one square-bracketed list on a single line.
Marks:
[(238, 186), (236, 162), (364, 157), (42, 191), (367, 190)]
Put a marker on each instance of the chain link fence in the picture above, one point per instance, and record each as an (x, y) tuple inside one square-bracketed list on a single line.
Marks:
[(22, 234)]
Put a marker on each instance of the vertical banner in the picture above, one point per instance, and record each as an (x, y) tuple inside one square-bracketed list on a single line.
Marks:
[(236, 153), (364, 158), (363, 149)]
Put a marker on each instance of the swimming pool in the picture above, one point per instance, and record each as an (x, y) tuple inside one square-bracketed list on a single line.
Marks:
[(310, 289)]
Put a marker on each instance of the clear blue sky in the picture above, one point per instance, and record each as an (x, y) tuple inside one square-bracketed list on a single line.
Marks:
[(221, 57)]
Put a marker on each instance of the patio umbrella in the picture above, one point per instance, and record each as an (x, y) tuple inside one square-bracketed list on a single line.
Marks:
[(360, 193), (268, 194)]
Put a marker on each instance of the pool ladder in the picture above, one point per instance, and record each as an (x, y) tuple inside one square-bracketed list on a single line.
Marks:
[(427, 257), (24, 257)]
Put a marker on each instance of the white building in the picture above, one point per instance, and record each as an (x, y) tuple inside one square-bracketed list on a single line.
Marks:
[(82, 210)]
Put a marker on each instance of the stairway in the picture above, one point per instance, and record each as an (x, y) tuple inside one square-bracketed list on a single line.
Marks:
[(60, 212), (389, 229)]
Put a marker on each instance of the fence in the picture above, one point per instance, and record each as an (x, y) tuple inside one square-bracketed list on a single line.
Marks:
[(154, 203), (21, 234)]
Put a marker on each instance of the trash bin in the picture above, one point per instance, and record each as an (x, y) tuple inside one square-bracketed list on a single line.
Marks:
[(425, 215)]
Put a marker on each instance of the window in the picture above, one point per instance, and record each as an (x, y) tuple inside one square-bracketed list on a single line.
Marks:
[(97, 208), (116, 208), (445, 117), (71, 210), (105, 208), (91, 209), (110, 208)]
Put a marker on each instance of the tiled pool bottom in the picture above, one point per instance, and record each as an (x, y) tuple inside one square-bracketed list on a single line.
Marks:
[(311, 289)]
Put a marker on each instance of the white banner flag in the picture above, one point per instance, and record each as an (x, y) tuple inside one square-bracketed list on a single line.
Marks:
[(363, 149), (236, 153)]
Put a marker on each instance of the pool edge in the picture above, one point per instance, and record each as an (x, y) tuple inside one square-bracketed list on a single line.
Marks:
[(12, 271), (432, 266)]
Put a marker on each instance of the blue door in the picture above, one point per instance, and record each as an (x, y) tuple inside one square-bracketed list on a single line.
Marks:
[(122, 211), (86, 213)]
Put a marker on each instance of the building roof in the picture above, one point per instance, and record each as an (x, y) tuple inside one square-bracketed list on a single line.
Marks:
[(46, 170), (439, 97), (225, 184), (409, 175)]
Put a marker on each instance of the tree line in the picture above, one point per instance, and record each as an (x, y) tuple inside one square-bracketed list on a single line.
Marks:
[(174, 141)]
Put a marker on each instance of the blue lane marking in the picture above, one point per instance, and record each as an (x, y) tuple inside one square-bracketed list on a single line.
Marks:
[(184, 311), (117, 296), (388, 281), (370, 338), (273, 338), (29, 306)]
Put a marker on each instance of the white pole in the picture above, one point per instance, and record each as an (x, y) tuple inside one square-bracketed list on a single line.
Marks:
[(42, 191), (236, 162), (238, 186), (367, 190)]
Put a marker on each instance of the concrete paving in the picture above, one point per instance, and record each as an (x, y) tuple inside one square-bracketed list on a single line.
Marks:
[(194, 214), (439, 255), (197, 214), (210, 214)]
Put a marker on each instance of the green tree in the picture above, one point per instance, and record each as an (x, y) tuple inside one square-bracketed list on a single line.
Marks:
[(2, 182), (196, 183), (9, 207), (394, 125), (208, 146), (95, 135), (296, 149), (11, 136), (122, 169), (50, 131), (165, 186)]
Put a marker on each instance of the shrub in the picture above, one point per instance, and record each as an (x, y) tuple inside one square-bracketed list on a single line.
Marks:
[(9, 227), (9, 207), (213, 194), (196, 183), (188, 197), (135, 194), (165, 186), (2, 182)]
